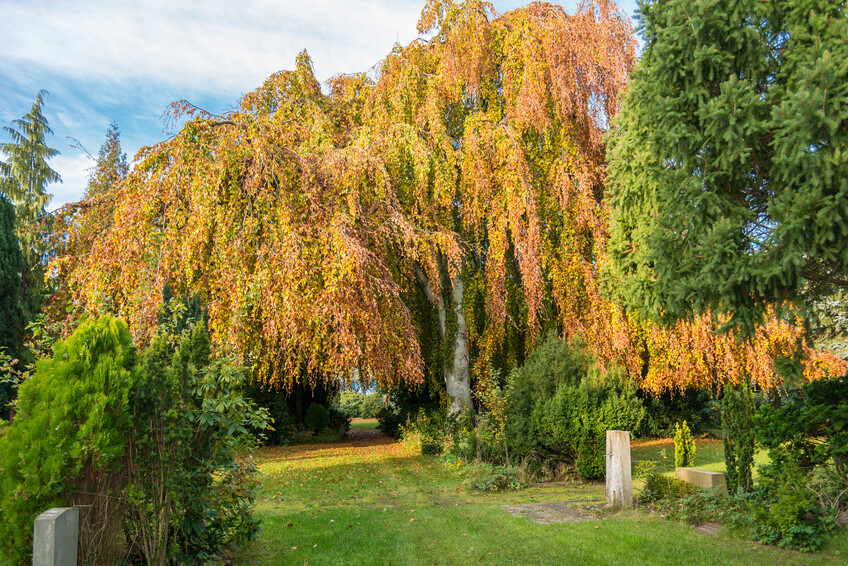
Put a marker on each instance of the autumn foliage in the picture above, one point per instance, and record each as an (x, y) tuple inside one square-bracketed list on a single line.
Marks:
[(472, 164)]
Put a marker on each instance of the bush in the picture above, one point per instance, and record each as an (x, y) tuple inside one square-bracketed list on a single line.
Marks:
[(737, 418), (391, 421), (339, 422), (788, 513), (663, 411), (658, 486), (285, 424), (289, 408), (350, 403), (560, 407), (372, 404), (430, 447), (154, 454), (486, 477), (684, 446), (804, 486), (460, 434), (70, 436), (191, 486), (591, 454), (405, 403), (317, 417)]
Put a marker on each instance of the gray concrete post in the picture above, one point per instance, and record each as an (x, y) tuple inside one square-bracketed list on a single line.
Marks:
[(619, 487), (55, 534)]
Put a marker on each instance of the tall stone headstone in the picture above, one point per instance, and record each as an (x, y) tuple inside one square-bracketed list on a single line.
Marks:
[(619, 489), (55, 535)]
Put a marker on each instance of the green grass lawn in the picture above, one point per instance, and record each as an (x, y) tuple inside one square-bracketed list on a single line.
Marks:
[(376, 501), (709, 454), (363, 424)]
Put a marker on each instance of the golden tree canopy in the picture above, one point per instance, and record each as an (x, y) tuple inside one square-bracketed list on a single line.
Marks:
[(301, 217)]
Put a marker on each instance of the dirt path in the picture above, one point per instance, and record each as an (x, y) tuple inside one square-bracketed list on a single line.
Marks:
[(368, 437)]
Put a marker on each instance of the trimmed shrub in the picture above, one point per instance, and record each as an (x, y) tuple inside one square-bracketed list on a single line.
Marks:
[(560, 407), (317, 417), (737, 418), (684, 446)]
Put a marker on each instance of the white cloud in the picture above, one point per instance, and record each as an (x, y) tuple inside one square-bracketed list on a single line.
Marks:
[(74, 169), (126, 60), (202, 45)]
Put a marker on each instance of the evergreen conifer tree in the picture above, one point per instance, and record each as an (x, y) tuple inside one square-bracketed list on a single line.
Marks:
[(111, 167), (11, 263), (24, 176), (11, 319), (728, 168)]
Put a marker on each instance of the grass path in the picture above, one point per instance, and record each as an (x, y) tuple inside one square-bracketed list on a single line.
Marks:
[(372, 500)]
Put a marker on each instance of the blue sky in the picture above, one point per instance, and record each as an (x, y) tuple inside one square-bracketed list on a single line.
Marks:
[(125, 61)]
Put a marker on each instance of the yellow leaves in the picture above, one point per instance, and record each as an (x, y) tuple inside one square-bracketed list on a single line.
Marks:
[(298, 219)]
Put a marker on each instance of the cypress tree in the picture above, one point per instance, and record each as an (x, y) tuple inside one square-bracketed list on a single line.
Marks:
[(11, 318)]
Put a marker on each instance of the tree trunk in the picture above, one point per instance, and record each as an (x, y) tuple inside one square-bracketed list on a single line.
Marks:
[(457, 380), (456, 370)]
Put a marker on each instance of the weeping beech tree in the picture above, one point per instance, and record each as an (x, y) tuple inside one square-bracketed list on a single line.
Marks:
[(471, 164), (492, 130), (469, 170)]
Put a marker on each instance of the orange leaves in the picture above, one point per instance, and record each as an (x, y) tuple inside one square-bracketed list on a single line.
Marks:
[(694, 354), (301, 218), (283, 235), (481, 122)]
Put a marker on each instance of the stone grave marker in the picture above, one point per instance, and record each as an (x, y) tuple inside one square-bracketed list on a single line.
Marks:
[(619, 487), (55, 534)]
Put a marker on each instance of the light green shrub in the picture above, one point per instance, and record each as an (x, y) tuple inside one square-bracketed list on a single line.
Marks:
[(684, 446), (70, 431), (372, 404)]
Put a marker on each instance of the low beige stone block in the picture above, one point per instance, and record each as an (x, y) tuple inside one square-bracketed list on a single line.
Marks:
[(703, 478)]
